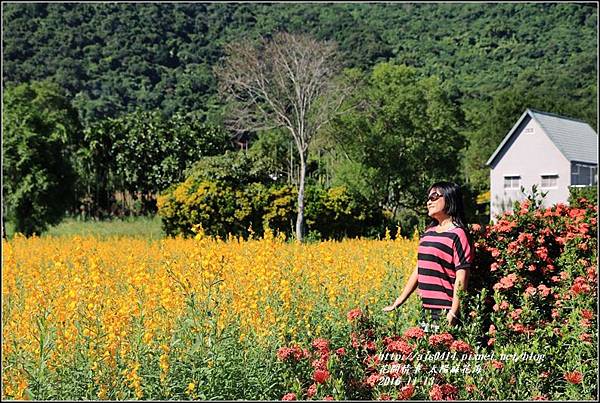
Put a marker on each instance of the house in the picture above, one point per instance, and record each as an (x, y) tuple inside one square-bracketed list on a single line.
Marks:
[(543, 149)]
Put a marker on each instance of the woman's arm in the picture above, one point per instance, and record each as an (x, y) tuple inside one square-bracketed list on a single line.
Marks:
[(410, 286), (460, 283)]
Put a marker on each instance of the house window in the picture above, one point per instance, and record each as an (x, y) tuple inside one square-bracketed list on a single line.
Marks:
[(512, 182), (549, 181), (584, 174)]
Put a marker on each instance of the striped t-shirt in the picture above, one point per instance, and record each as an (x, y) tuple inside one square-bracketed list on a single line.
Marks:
[(439, 256)]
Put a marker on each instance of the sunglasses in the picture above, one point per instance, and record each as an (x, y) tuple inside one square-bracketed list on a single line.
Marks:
[(434, 196)]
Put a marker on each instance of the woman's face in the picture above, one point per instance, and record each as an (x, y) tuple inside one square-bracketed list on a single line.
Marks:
[(435, 203)]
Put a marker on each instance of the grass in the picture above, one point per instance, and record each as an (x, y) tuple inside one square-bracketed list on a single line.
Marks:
[(133, 227)]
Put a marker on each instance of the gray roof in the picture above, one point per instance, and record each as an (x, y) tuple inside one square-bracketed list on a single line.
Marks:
[(575, 139)]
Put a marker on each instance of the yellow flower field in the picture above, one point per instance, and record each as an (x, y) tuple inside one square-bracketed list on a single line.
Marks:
[(103, 307)]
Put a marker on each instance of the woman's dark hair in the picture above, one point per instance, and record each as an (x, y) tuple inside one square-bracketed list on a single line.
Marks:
[(454, 205)]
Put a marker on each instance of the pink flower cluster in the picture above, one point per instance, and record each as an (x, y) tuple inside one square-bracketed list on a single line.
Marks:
[(291, 353)]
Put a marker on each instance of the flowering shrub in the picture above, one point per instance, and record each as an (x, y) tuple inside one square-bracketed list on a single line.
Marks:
[(528, 329)]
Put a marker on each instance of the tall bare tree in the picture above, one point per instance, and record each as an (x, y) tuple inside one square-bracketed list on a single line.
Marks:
[(285, 81)]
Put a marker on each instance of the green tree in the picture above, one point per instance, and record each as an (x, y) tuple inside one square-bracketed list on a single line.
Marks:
[(142, 153), (115, 57), (404, 135), (40, 130), (287, 81)]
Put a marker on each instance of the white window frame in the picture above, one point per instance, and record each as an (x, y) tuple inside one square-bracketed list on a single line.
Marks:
[(512, 179), (549, 176), (575, 170)]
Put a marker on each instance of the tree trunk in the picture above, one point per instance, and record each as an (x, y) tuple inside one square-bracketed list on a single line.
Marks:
[(300, 219)]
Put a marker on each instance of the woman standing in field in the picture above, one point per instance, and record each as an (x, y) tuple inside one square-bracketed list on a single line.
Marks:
[(444, 257)]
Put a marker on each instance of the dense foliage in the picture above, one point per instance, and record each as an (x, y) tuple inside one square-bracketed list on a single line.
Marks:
[(160, 55), (40, 132), (224, 196), (528, 321), (141, 78), (401, 136), (140, 154)]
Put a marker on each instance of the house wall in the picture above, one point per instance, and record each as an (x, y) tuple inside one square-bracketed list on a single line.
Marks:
[(529, 154)]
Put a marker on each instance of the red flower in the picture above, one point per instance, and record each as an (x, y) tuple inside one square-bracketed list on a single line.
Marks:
[(321, 345), (449, 391), (311, 391), (506, 282), (587, 314), (545, 291), (502, 307), (399, 346), (491, 341), (370, 345), (294, 352), (561, 209), (354, 314), (438, 339), (320, 363), (583, 228), (436, 393), (542, 253), (575, 213), (354, 339), (414, 333), (497, 364), (591, 274), (406, 392), (385, 396), (513, 247), (516, 313), (504, 225), (328, 397), (341, 351), (461, 347), (580, 286), (585, 337), (372, 380), (289, 396), (321, 375), (525, 238), (574, 377), (470, 388), (540, 397), (283, 353)]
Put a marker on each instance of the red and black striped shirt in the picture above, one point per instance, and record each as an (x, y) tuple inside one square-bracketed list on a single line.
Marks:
[(440, 255)]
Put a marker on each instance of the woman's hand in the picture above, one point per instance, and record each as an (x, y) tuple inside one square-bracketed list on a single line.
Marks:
[(451, 318), (390, 307)]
